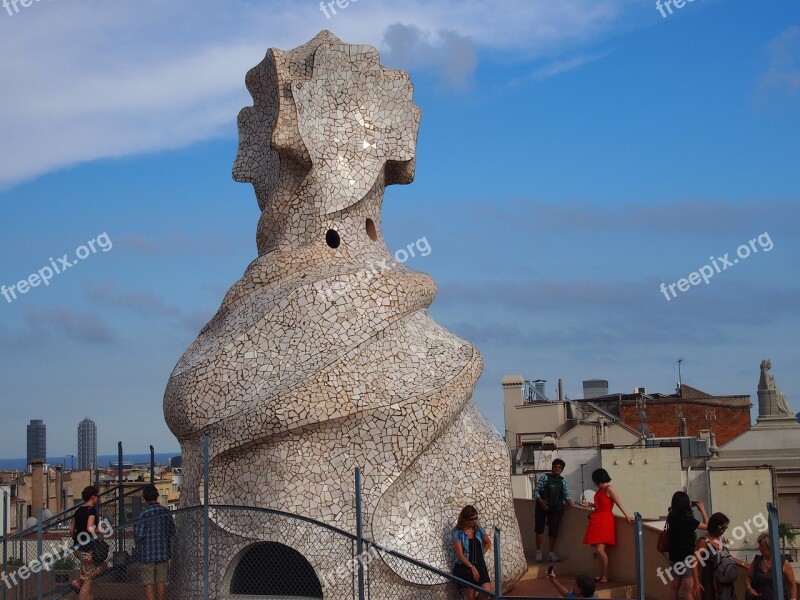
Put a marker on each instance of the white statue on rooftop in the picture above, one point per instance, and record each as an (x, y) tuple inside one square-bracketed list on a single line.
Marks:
[(776, 399)]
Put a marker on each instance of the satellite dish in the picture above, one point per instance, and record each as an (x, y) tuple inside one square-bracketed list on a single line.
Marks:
[(31, 522), (587, 496), (47, 514)]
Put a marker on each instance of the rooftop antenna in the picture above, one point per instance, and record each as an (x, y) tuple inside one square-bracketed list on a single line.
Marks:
[(680, 381)]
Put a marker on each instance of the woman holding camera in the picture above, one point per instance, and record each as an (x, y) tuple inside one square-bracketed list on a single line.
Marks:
[(682, 524)]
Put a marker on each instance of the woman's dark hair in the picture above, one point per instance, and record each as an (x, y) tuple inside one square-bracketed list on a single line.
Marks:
[(716, 522), (88, 492), (600, 476), (681, 505), (465, 515)]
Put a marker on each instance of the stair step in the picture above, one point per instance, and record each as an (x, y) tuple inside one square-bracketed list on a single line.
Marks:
[(543, 587), (535, 582)]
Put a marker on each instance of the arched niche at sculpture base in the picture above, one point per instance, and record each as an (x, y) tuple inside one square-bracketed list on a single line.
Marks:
[(273, 570)]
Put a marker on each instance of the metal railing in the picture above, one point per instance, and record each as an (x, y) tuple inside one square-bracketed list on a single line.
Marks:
[(230, 552)]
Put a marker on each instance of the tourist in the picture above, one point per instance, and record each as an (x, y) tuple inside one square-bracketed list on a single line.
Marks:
[(582, 588), (153, 532), (601, 531), (470, 542), (682, 525), (705, 584), (84, 531), (759, 582), (551, 496)]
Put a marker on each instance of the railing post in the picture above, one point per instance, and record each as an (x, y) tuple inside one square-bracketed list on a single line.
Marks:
[(639, 549), (775, 547), (120, 497), (359, 536), (6, 498), (152, 465), (498, 567), (39, 532), (206, 519)]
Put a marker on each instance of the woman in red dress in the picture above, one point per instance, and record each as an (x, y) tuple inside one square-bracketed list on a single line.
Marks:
[(601, 532)]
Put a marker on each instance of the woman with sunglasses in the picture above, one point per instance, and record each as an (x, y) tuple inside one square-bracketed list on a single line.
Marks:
[(470, 542), (705, 585)]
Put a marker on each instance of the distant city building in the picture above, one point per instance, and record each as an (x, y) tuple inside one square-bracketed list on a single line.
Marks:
[(687, 412), (87, 445), (37, 441)]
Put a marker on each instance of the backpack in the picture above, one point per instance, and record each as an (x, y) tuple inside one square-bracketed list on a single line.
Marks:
[(553, 491), (725, 570)]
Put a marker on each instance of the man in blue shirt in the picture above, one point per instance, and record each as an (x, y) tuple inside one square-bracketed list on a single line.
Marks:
[(551, 496), (153, 532), (583, 587)]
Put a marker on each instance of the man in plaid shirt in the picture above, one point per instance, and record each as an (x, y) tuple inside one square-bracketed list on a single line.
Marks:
[(154, 533)]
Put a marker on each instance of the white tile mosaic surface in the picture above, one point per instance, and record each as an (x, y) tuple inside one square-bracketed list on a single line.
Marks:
[(322, 359)]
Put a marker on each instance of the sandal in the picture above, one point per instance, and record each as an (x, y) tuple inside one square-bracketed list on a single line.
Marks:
[(601, 579)]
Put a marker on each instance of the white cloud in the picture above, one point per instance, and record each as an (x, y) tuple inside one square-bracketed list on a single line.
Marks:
[(560, 65), (784, 55), (63, 322), (89, 80)]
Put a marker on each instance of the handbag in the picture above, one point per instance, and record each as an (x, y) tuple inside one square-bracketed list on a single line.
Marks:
[(99, 551), (663, 539)]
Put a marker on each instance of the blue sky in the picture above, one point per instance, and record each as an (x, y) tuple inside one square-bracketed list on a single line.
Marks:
[(572, 157)]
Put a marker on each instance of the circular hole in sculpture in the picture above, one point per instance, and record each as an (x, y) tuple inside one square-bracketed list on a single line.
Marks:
[(332, 238), (373, 235)]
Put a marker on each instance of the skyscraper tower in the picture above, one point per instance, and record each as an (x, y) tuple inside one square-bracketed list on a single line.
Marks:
[(37, 440), (87, 444)]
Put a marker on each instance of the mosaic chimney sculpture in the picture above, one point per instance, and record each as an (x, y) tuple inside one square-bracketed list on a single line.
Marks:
[(323, 357)]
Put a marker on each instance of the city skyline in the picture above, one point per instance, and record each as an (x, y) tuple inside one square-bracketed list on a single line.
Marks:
[(602, 190)]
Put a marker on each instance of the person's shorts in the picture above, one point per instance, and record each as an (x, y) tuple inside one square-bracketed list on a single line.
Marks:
[(154, 572), (88, 569), (551, 517), (687, 574)]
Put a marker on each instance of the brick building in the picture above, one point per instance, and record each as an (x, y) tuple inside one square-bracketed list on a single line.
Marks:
[(686, 413)]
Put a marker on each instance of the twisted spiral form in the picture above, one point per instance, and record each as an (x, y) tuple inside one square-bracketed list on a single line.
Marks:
[(323, 357)]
